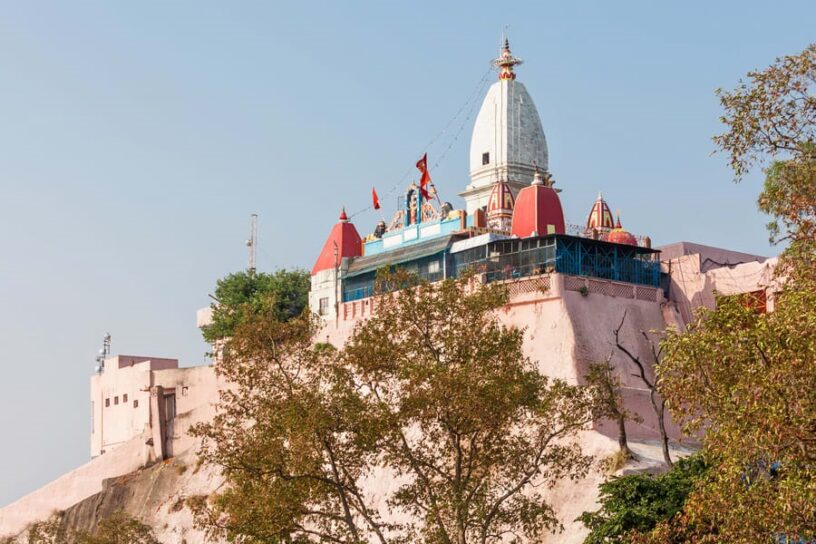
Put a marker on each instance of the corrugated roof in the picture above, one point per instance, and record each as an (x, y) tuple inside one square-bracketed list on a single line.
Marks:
[(364, 264)]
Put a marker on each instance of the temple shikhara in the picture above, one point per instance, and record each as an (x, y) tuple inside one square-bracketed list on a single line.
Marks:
[(511, 227), (570, 286)]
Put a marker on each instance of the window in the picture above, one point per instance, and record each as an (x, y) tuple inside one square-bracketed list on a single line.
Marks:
[(136, 403), (433, 267), (107, 403), (115, 400), (324, 305), (124, 398), (485, 158)]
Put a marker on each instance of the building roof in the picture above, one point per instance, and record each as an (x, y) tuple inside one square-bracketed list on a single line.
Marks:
[(710, 257), (402, 254), (538, 210), (600, 216), (620, 235), (343, 241)]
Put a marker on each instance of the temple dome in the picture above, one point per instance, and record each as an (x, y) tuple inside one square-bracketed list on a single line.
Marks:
[(507, 139), (500, 207), (538, 210), (600, 216), (619, 235), (343, 241)]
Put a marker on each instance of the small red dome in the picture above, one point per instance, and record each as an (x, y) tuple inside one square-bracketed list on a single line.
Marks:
[(538, 210), (619, 235)]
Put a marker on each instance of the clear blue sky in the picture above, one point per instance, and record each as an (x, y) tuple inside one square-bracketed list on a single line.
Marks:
[(136, 138)]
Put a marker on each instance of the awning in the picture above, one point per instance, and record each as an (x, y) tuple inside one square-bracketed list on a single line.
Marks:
[(361, 265)]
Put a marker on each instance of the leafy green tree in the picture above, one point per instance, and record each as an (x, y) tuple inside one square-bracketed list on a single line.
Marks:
[(748, 379), (292, 438), (432, 392), (472, 428), (641, 502), (283, 295), (772, 118)]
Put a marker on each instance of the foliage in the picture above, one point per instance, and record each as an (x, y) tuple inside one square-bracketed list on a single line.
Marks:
[(432, 392), (118, 528), (472, 429), (640, 502), (747, 379), (292, 437), (602, 376), (283, 295), (773, 116), (50, 531)]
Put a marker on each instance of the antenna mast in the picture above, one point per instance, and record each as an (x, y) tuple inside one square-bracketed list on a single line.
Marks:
[(104, 352), (252, 243)]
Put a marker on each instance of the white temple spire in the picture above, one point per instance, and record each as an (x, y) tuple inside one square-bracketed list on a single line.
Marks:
[(507, 138)]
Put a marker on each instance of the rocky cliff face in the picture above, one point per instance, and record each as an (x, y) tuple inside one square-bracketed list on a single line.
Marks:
[(155, 495)]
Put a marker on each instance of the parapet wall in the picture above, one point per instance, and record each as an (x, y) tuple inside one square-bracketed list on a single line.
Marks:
[(74, 486)]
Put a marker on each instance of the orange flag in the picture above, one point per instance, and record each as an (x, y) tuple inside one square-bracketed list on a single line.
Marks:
[(375, 199), (425, 179)]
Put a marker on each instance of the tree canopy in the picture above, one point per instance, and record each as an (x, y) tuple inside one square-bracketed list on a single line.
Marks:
[(283, 295), (432, 393), (743, 378), (117, 528), (640, 502)]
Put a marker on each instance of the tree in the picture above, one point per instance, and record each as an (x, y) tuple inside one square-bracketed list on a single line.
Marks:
[(292, 438), (283, 295), (602, 376), (772, 117), (432, 392), (749, 381), (471, 427), (50, 531), (118, 528), (639, 503), (658, 402), (745, 378)]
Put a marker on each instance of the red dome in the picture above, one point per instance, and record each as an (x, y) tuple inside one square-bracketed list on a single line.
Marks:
[(538, 211), (619, 235), (344, 239)]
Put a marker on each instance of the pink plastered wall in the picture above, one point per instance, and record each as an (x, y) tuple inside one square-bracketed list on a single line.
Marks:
[(74, 486)]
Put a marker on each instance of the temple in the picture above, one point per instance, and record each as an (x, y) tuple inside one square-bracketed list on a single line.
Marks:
[(512, 225), (570, 285)]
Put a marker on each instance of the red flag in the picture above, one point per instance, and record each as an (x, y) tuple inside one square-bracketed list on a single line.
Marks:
[(425, 179), (375, 199)]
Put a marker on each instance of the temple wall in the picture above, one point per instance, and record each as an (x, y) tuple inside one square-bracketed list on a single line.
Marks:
[(196, 390), (74, 486)]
